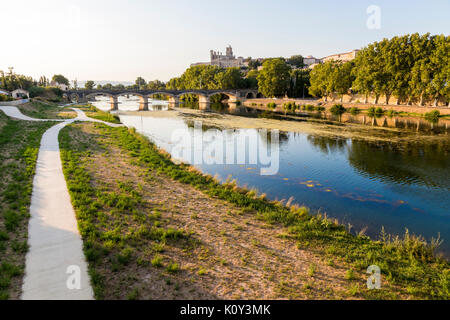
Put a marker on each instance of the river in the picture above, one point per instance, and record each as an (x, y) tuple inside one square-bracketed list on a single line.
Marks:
[(367, 184)]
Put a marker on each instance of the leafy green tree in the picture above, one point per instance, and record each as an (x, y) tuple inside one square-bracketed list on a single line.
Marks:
[(89, 85), (321, 80), (140, 83), (156, 85), (300, 83), (438, 67), (60, 79), (43, 81), (342, 78), (254, 64), (251, 80), (107, 86), (296, 61), (231, 78), (274, 79)]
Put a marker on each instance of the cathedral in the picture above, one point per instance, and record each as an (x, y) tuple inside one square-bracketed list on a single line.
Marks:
[(227, 60)]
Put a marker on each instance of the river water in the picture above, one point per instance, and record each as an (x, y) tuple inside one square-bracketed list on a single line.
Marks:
[(366, 184)]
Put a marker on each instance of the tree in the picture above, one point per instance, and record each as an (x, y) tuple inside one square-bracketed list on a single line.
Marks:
[(140, 83), (251, 80), (274, 79), (321, 80), (89, 85), (60, 79), (156, 85), (342, 78), (230, 79), (438, 85), (300, 83), (43, 81), (296, 61), (254, 64), (107, 86)]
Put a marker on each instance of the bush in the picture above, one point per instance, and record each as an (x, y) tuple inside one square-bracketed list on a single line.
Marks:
[(290, 107), (354, 110), (319, 108), (391, 113), (36, 91), (272, 105), (433, 115), (337, 109), (4, 97), (375, 111), (379, 110)]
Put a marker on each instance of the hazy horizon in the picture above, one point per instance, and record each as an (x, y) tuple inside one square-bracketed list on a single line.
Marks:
[(119, 41)]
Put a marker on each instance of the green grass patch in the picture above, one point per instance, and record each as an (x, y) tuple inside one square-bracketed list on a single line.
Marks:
[(98, 114), (19, 143), (405, 262)]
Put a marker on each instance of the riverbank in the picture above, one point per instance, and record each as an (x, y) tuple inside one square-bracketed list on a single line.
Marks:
[(304, 125), (210, 240), (412, 109), (19, 145)]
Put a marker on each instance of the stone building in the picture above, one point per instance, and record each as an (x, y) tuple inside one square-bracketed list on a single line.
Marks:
[(344, 57), (62, 86), (227, 60), (310, 61)]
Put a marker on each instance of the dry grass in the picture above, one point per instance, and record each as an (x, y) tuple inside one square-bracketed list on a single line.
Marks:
[(229, 254)]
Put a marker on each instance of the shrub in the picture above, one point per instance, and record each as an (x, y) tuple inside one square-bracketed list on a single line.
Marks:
[(4, 97), (433, 115), (354, 110), (157, 261), (36, 91), (337, 109), (173, 268), (391, 113), (320, 108), (379, 111), (271, 105), (372, 111), (290, 107)]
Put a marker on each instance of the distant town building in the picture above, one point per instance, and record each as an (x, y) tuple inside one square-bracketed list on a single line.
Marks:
[(227, 60), (344, 57), (20, 93), (310, 61), (62, 86)]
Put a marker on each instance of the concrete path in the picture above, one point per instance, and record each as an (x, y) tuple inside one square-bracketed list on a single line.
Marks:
[(55, 266), (14, 112)]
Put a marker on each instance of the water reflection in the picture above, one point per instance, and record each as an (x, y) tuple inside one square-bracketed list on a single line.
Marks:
[(367, 184)]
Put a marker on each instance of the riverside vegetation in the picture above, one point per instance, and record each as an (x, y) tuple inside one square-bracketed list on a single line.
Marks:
[(155, 229), (19, 145)]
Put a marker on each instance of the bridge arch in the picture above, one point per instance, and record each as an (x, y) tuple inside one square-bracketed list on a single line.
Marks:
[(231, 97), (250, 95), (95, 94), (202, 97), (173, 99)]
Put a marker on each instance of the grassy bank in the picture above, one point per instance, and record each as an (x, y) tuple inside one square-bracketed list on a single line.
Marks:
[(19, 144), (46, 110), (98, 114), (127, 231)]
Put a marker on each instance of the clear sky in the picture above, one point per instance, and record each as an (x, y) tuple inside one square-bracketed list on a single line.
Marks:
[(159, 39)]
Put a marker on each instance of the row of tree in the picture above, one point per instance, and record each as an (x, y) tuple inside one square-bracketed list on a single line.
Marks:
[(210, 77), (410, 68), (11, 81)]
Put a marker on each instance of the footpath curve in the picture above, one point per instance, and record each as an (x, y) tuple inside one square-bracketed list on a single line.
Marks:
[(55, 266)]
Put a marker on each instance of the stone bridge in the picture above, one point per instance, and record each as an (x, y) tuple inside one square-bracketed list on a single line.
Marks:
[(173, 95)]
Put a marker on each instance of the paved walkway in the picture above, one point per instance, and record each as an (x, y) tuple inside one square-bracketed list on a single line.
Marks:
[(55, 267)]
